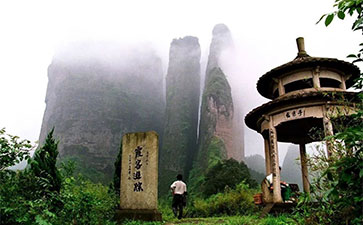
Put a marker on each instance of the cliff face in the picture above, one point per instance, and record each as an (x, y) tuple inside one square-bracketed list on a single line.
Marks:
[(182, 103), (92, 104), (219, 135), (216, 120), (218, 99)]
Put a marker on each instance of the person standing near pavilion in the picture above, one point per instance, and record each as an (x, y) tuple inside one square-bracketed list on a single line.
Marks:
[(285, 188), (179, 191)]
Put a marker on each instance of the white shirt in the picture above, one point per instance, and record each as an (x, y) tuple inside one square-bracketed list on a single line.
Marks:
[(179, 187), (269, 178)]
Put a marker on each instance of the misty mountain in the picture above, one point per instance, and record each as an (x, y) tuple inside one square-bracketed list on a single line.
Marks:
[(219, 117), (95, 94), (99, 91), (217, 133), (291, 167), (256, 165), (182, 106), (256, 162)]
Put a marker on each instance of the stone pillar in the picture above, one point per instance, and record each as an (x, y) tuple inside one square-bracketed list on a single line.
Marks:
[(274, 163), (139, 177), (316, 80), (304, 169), (328, 131), (267, 156), (342, 84), (281, 88)]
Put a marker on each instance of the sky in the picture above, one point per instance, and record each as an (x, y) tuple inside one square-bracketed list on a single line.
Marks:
[(264, 32)]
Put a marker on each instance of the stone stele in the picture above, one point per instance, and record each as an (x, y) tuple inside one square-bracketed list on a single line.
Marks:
[(139, 177)]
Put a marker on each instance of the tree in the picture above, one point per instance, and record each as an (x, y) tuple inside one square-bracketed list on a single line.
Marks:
[(226, 173), (12, 150), (338, 189), (351, 8), (43, 164)]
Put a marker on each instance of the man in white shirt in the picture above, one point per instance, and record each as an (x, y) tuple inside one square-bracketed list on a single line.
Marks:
[(285, 188), (179, 191)]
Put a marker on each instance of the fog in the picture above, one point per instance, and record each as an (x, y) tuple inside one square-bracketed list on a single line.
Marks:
[(34, 32)]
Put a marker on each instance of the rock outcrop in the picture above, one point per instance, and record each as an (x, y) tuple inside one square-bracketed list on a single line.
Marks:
[(182, 105), (93, 100), (218, 136), (220, 53)]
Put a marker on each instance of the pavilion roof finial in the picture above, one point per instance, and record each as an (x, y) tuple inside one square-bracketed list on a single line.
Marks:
[(301, 47)]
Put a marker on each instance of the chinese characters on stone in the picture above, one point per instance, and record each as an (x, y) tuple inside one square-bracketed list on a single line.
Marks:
[(294, 114), (137, 174)]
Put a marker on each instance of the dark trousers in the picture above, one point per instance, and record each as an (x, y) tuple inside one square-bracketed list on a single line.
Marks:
[(177, 205)]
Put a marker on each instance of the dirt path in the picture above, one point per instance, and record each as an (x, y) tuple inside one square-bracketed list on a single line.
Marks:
[(195, 221)]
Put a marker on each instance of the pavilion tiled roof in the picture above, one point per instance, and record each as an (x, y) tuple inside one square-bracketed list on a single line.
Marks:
[(264, 84)]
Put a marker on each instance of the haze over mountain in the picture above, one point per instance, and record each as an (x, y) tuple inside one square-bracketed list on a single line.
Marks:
[(219, 130), (96, 93), (291, 167)]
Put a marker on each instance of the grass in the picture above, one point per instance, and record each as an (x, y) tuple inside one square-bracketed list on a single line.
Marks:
[(231, 220)]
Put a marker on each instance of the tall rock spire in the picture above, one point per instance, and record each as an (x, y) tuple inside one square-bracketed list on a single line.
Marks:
[(221, 54), (217, 131), (221, 41), (182, 102)]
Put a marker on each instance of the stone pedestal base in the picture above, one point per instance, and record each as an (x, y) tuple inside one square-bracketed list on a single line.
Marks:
[(137, 214)]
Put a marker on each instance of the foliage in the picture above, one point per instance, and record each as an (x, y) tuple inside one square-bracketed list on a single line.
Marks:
[(238, 201), (352, 8), (214, 153), (338, 190), (12, 150), (117, 174), (43, 165), (138, 222), (226, 173), (346, 7), (85, 202), (44, 194), (217, 86), (84, 168), (164, 206), (230, 220), (211, 148)]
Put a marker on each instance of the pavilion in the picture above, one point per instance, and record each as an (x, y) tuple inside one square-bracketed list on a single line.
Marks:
[(303, 96)]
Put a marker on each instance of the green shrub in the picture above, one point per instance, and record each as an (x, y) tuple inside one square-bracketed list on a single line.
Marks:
[(137, 222), (226, 173), (86, 202), (43, 194), (164, 206), (238, 201), (12, 150)]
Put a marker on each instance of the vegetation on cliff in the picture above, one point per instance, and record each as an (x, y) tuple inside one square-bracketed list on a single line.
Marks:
[(181, 116), (216, 102)]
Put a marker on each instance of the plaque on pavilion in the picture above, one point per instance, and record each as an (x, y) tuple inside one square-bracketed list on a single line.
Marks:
[(139, 177)]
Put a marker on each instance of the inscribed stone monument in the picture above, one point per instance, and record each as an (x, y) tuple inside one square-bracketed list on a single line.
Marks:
[(139, 176)]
